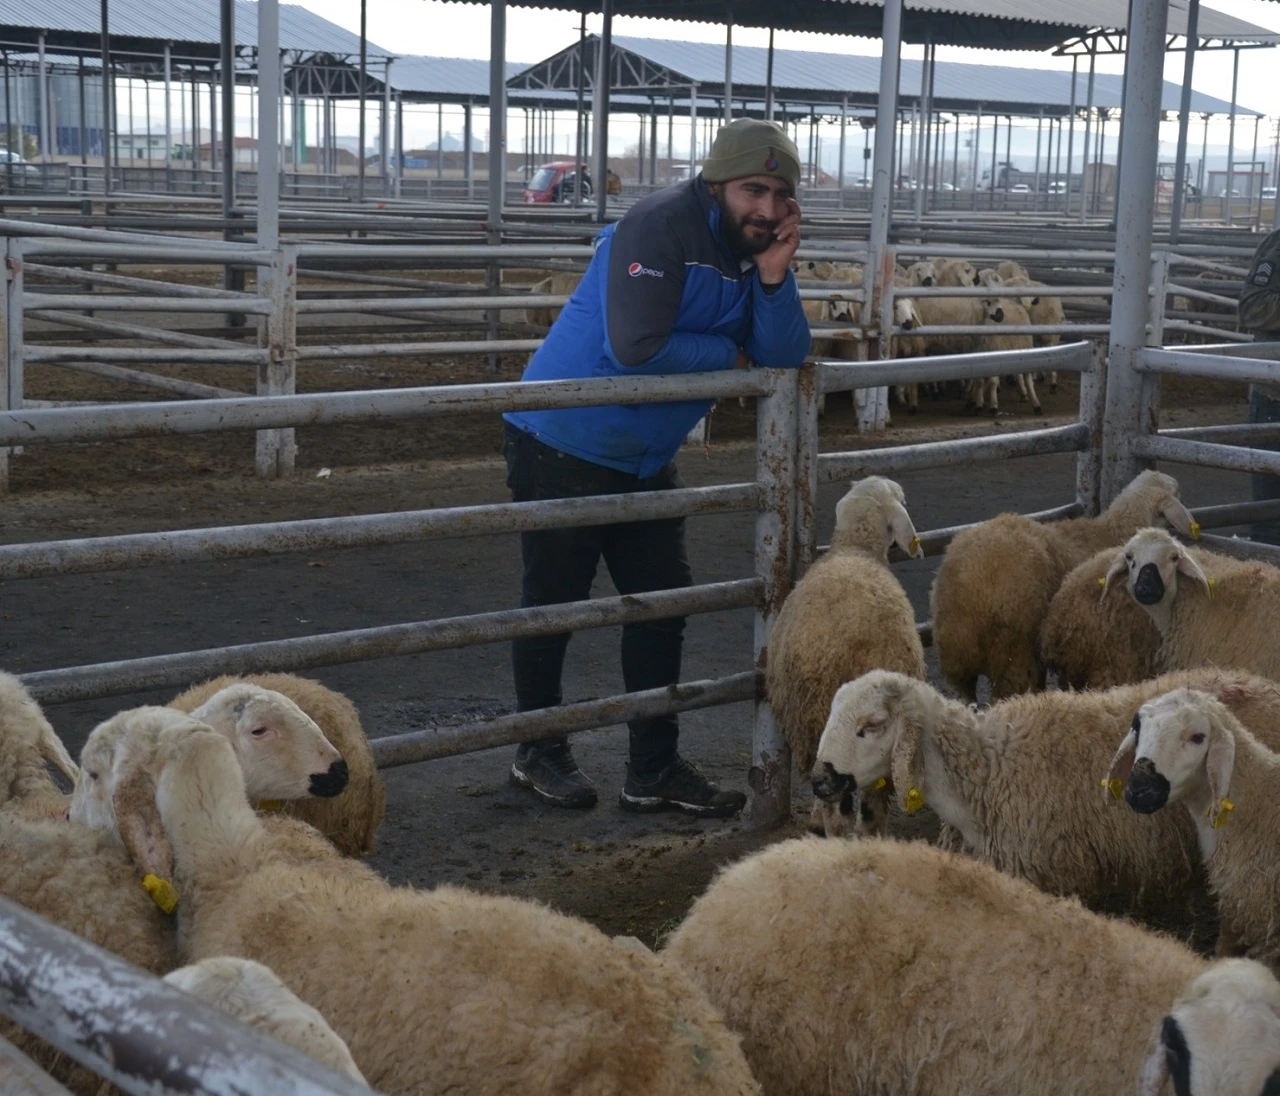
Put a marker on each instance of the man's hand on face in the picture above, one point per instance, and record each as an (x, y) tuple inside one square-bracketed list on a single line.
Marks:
[(774, 262)]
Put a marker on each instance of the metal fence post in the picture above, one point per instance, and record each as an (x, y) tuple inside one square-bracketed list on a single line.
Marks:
[(1093, 396), (11, 364), (1159, 297), (770, 776), (275, 451), (808, 399)]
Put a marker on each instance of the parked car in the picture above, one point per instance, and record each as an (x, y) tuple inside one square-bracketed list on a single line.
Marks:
[(555, 182), (1269, 193), (22, 173), (1020, 188), (1058, 186)]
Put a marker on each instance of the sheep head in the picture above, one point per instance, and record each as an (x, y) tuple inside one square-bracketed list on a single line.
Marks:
[(873, 516), (23, 724), (905, 314), (1221, 1036), (283, 753), (1151, 495), (1150, 564), (989, 277), (922, 273), (1180, 747), (870, 739)]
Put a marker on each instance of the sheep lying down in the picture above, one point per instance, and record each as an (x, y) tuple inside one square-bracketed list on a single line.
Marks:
[(884, 967)]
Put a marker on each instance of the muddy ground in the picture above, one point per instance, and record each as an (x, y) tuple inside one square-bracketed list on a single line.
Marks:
[(458, 820)]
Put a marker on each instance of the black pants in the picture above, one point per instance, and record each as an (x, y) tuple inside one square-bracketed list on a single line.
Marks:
[(560, 564), (1264, 408)]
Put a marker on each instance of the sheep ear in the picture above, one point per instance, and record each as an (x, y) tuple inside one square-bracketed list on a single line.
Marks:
[(906, 767), (55, 753), (1189, 567), (1180, 518), (138, 820), (1155, 1070), (902, 531), (1220, 758), (1121, 767), (1119, 567)]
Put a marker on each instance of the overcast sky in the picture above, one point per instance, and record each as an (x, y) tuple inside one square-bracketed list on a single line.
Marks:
[(436, 28)]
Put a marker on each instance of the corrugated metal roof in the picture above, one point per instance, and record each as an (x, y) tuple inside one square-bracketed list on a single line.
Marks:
[(832, 75), (179, 21), (445, 75)]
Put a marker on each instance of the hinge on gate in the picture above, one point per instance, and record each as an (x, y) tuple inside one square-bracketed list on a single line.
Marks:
[(11, 268)]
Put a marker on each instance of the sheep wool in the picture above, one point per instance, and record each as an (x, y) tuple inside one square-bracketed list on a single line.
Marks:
[(885, 967), (349, 820)]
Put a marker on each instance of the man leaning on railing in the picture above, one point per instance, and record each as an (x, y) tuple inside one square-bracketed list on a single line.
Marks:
[(1259, 312), (693, 278)]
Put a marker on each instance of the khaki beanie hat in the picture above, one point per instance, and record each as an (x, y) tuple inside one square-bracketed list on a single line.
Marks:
[(748, 146)]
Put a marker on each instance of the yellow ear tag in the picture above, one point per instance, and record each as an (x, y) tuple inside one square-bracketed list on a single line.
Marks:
[(1115, 786), (878, 784), (915, 800), (1212, 583), (914, 547), (1102, 582), (1218, 815), (1195, 529), (162, 892), (269, 806)]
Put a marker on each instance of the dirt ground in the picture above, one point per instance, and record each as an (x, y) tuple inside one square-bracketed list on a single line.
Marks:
[(458, 820)]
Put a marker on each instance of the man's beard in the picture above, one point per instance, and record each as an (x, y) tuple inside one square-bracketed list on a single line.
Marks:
[(734, 235)]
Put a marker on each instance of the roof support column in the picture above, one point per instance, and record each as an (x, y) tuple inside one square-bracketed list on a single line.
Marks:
[(497, 112), (364, 69), (974, 166), (1071, 138), (1131, 403), (768, 79), (579, 131), (468, 151), (228, 66), (693, 129), (844, 121), (268, 125), (399, 169), (42, 101), (168, 111), (604, 83), (1088, 123), (653, 144), (106, 101), (1184, 122), (384, 127), (728, 72), (1231, 138), (1039, 128)]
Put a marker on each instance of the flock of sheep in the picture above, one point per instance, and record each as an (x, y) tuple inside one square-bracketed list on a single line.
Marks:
[(216, 842)]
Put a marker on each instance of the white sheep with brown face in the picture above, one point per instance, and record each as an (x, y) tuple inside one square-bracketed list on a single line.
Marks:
[(1210, 609), (283, 753), (895, 967), (847, 615), (1186, 747)]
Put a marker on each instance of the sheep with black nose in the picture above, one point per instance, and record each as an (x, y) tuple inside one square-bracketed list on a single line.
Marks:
[(1187, 747)]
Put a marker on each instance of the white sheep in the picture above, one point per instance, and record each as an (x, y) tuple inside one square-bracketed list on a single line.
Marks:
[(1209, 609), (27, 744), (886, 967), (956, 272), (1090, 642), (254, 995), (949, 312), (351, 817), (923, 273), (996, 580), (503, 995), (1187, 747), (995, 312), (284, 754), (1009, 269), (1018, 781), (847, 615), (560, 284)]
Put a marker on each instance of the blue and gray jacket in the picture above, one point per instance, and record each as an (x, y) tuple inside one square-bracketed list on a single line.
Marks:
[(663, 294)]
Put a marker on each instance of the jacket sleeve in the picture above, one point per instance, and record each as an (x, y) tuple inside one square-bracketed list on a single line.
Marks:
[(1259, 308), (779, 337), (643, 287)]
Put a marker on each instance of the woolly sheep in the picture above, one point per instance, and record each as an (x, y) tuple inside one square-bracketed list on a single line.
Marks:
[(956, 272), (949, 312), (995, 583), (847, 615), (1222, 618), (1018, 780), (27, 744), (1187, 747), (923, 273), (885, 967), (560, 284), (283, 753), (1010, 269), (1096, 643), (1007, 310), (511, 996), (351, 819), (254, 995)]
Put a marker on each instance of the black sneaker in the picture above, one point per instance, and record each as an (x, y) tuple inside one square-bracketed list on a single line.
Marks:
[(679, 787), (551, 773)]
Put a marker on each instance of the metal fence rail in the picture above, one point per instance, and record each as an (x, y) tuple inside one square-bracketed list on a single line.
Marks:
[(147, 1037)]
